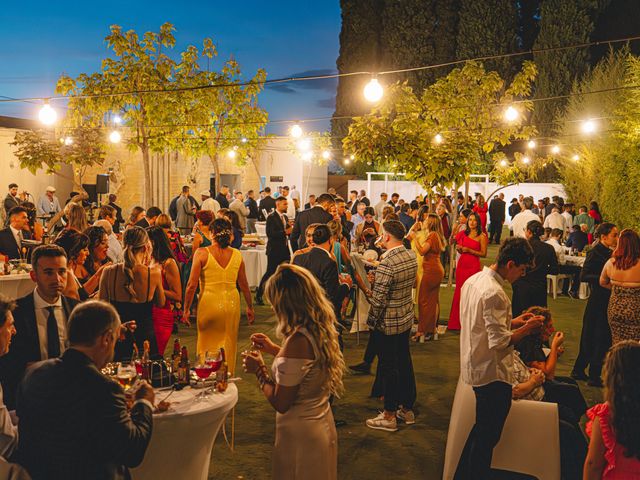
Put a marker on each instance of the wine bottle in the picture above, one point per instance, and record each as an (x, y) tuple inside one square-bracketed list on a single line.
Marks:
[(175, 356), (221, 376), (183, 368), (146, 362)]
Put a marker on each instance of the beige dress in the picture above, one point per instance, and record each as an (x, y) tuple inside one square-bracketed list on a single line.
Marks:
[(306, 446)]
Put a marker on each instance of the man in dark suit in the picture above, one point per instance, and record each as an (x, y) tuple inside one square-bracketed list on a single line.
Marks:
[(74, 422), (12, 199), (222, 196), (577, 238), (352, 205), (311, 202), (268, 203), (318, 261), (278, 231), (363, 198), (40, 319), (496, 215), (318, 214), (119, 220), (11, 237)]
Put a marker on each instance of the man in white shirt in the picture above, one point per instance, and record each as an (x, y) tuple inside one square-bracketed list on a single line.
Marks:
[(291, 204), (554, 220), (209, 203), (241, 209), (519, 222), (380, 205), (568, 218), (295, 196), (486, 351)]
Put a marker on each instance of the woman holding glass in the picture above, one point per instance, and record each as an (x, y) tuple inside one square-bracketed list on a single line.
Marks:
[(307, 369)]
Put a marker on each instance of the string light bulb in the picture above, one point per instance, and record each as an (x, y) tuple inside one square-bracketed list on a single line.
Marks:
[(347, 161), (115, 137), (304, 145), (575, 158), (326, 154), (526, 160), (117, 120), (503, 163), (511, 114), (555, 149), (307, 156), (244, 140), (68, 141), (438, 139), (296, 131), (232, 153), (588, 127), (531, 144), (47, 115), (373, 91)]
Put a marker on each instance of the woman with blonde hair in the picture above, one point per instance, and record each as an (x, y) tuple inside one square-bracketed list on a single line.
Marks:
[(76, 218), (307, 369), (175, 240), (133, 287), (430, 247)]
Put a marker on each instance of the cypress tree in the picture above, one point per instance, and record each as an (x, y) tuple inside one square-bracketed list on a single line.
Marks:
[(489, 27)]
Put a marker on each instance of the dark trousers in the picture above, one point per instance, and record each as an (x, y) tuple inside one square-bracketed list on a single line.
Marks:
[(371, 351), (273, 261), (595, 341), (574, 271), (495, 231), (493, 402), (395, 369), (565, 392)]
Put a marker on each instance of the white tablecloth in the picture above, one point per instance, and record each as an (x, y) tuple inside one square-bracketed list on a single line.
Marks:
[(16, 286), (261, 228), (574, 260), (255, 264), (183, 437)]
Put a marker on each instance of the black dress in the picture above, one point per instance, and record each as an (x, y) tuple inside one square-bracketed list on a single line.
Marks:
[(531, 290), (595, 339), (141, 312)]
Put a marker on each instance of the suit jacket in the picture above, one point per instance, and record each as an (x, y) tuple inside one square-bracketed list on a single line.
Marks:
[(577, 240), (119, 220), (185, 218), (8, 244), (496, 210), (325, 269), (317, 214), (596, 309), (268, 204), (74, 422), (144, 223), (10, 202), (514, 209), (277, 241), (222, 200), (25, 345)]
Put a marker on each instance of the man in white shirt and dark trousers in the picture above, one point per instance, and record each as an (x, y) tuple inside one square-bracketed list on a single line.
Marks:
[(486, 351)]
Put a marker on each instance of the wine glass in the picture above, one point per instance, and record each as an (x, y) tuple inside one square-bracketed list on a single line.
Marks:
[(126, 375), (203, 371), (215, 361)]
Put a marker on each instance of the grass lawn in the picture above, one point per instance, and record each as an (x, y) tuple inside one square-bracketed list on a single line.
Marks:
[(416, 451)]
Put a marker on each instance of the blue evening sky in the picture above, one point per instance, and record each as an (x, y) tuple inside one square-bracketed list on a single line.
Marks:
[(41, 39)]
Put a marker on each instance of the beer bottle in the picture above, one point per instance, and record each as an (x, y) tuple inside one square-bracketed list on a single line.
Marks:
[(175, 356), (183, 368), (146, 362), (222, 373)]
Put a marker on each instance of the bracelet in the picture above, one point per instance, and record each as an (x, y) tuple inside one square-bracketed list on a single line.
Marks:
[(262, 374)]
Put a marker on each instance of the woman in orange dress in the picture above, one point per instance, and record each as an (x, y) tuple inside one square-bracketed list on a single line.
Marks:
[(430, 247)]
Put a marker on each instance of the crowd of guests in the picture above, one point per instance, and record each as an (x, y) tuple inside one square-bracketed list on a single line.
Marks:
[(136, 278)]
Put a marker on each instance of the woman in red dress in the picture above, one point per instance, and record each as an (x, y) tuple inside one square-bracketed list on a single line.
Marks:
[(471, 244), (481, 208)]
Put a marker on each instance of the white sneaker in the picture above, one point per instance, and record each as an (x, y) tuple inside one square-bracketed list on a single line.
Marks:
[(382, 423), (407, 416)]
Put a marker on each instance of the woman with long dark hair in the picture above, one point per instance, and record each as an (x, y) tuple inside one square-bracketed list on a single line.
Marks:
[(471, 244), (531, 289), (218, 269), (76, 246), (621, 275), (595, 339), (133, 287), (234, 220), (614, 426), (96, 261), (162, 257), (137, 214), (594, 212)]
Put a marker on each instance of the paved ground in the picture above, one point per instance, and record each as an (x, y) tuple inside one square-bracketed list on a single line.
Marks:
[(415, 452)]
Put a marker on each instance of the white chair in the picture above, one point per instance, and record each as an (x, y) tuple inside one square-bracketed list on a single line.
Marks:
[(552, 282), (530, 441)]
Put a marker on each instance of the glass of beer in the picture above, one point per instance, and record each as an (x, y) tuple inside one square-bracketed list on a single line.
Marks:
[(127, 375)]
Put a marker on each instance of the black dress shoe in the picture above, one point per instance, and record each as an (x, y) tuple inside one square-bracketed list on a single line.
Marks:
[(595, 382), (364, 368), (579, 376)]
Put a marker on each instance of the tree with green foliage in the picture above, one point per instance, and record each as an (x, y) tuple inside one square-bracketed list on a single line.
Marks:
[(39, 150), (562, 23), (488, 28)]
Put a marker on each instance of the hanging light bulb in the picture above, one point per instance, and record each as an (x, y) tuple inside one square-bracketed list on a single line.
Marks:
[(373, 91), (503, 163), (352, 157), (555, 149), (117, 120), (347, 161), (115, 137), (47, 115), (526, 160), (438, 139), (68, 141), (511, 114), (296, 131), (588, 127), (232, 153), (531, 145), (575, 158), (243, 140), (326, 154)]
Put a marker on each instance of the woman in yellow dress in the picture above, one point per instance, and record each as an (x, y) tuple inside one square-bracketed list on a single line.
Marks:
[(218, 268)]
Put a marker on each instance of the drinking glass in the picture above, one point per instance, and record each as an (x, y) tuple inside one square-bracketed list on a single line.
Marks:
[(203, 371), (127, 375)]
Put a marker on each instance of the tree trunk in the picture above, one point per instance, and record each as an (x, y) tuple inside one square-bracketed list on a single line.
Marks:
[(452, 248), (147, 199), (216, 171), (466, 192)]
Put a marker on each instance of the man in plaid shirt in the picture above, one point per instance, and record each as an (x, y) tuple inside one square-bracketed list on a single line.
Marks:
[(390, 318)]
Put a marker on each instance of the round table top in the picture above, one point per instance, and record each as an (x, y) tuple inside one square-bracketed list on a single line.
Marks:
[(183, 402), (15, 277)]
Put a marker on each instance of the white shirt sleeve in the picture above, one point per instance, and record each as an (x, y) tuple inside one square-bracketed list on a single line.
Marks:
[(496, 322)]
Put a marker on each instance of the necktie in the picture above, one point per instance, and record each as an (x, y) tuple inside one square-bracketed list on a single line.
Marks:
[(53, 339), (20, 238)]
